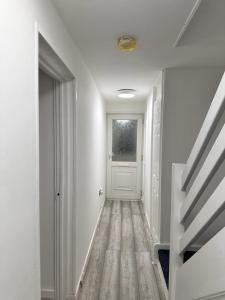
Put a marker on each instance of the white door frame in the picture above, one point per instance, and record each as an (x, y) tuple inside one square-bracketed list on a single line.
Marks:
[(155, 212), (65, 98), (139, 118)]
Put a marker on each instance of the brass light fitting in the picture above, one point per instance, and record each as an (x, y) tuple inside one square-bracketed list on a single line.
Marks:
[(127, 43)]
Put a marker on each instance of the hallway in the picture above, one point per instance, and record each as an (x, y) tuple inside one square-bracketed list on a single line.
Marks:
[(121, 100), (120, 264)]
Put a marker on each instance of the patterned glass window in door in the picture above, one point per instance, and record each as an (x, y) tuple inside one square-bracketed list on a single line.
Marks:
[(124, 140)]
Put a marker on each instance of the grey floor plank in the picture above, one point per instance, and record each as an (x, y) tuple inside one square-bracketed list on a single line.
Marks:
[(106, 214), (93, 276), (141, 208), (146, 277), (102, 233), (126, 208), (108, 203), (128, 276), (140, 239), (135, 208), (110, 278), (115, 232), (127, 242), (116, 207), (101, 240), (120, 265)]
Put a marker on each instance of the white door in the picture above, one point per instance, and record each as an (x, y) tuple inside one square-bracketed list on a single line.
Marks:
[(124, 156)]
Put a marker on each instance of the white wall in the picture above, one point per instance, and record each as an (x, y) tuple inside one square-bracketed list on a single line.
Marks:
[(126, 107), (187, 96), (91, 166), (19, 205)]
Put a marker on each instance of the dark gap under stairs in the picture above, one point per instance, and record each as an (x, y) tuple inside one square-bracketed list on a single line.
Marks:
[(164, 259)]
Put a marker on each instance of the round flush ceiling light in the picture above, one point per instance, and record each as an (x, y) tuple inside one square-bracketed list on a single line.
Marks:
[(127, 43), (126, 93)]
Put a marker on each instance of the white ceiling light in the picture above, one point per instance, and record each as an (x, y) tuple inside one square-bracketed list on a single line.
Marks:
[(126, 93)]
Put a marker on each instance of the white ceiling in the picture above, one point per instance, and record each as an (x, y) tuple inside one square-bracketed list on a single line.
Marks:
[(96, 24)]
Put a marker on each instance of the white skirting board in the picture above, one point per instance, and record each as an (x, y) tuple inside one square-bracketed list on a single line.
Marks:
[(50, 295), (88, 254), (117, 199)]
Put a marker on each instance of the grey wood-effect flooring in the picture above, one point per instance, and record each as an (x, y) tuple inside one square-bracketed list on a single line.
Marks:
[(120, 265)]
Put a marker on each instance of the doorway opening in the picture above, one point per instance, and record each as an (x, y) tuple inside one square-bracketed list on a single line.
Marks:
[(50, 173), (56, 121), (124, 163)]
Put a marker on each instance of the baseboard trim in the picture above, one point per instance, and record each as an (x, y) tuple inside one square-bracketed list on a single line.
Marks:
[(219, 296), (88, 254), (125, 199), (48, 294)]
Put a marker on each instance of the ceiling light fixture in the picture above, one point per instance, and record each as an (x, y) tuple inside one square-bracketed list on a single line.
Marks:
[(126, 93), (127, 43)]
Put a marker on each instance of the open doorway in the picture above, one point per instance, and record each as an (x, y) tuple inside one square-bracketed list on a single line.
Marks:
[(57, 176), (50, 173)]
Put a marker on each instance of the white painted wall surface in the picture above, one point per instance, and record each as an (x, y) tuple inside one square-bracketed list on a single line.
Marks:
[(47, 185), (125, 107), (91, 166), (188, 94), (19, 205)]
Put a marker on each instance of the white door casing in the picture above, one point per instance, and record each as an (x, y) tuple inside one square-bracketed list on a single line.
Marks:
[(155, 206), (47, 186), (65, 109), (124, 177)]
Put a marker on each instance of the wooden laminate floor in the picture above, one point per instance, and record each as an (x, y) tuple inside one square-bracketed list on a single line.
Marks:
[(120, 265)]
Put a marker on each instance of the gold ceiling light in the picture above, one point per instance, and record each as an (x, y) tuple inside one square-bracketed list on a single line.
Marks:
[(127, 43)]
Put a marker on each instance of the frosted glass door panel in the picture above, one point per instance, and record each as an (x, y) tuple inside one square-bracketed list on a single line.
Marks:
[(124, 140)]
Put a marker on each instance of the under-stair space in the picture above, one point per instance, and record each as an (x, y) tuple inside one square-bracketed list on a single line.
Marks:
[(120, 264), (164, 259)]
